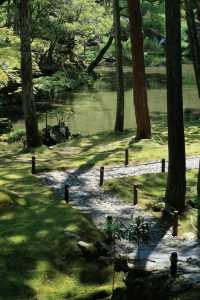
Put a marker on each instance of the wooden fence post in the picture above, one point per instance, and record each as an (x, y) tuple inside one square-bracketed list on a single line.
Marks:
[(175, 224), (33, 165), (135, 194), (174, 262), (163, 165), (67, 194), (101, 176), (126, 157)]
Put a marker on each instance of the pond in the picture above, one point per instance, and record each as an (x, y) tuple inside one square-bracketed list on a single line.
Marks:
[(93, 110)]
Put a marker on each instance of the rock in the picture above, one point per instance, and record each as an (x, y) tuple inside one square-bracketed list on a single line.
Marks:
[(155, 285), (193, 261), (145, 285), (88, 250), (189, 236), (158, 207), (53, 135), (94, 250), (105, 260), (102, 248), (5, 125)]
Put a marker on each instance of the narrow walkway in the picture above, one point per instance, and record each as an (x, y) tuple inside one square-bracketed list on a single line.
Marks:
[(86, 195)]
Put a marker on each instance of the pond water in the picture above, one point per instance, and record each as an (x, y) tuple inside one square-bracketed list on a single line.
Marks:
[(93, 110)]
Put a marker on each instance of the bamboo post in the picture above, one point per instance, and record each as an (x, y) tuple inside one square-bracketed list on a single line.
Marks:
[(163, 162), (175, 224), (33, 165), (135, 194), (174, 262), (67, 194), (101, 176), (126, 157)]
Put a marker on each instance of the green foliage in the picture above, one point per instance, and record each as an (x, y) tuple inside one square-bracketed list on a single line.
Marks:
[(16, 135), (134, 230), (61, 81), (38, 260), (152, 194)]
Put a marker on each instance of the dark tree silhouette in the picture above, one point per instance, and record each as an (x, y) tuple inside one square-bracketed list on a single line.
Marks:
[(194, 42), (32, 134), (176, 184), (119, 123)]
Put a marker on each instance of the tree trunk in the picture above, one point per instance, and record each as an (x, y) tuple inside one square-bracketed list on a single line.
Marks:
[(193, 38), (32, 134), (139, 80), (100, 56), (119, 123), (176, 184)]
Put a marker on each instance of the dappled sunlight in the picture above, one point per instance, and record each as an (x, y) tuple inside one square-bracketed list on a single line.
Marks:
[(151, 195), (17, 239), (33, 239)]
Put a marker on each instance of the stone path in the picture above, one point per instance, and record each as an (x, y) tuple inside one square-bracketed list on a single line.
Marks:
[(86, 195)]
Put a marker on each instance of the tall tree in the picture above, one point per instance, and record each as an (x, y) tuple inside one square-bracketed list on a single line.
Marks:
[(176, 184), (32, 133), (194, 42), (119, 123), (139, 80)]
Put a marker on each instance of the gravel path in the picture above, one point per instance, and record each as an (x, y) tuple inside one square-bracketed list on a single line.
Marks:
[(86, 195)]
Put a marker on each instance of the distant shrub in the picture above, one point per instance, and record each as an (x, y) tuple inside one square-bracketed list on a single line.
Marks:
[(15, 136)]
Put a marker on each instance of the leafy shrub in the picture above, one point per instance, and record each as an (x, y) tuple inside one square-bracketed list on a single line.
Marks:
[(15, 136), (61, 81)]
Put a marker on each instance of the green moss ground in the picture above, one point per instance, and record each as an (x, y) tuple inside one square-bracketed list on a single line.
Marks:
[(37, 261), (106, 149), (152, 192)]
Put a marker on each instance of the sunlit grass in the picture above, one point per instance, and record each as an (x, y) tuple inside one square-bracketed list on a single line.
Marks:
[(103, 149), (37, 260)]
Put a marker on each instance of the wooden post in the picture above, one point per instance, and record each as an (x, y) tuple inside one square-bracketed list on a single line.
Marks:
[(174, 262), (175, 224), (33, 165), (126, 157), (198, 183), (101, 176), (135, 194), (67, 194), (163, 165)]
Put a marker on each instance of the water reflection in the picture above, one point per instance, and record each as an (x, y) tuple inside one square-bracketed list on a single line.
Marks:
[(94, 109)]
